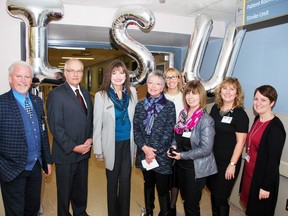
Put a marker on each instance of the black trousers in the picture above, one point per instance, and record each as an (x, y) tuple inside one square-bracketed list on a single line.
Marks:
[(119, 181), (22, 195), (72, 186), (161, 181), (190, 187)]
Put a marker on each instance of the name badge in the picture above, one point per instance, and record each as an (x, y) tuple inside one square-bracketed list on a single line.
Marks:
[(227, 119), (186, 134)]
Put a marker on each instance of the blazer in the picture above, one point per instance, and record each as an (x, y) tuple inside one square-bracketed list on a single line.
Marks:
[(68, 123), (104, 127), (202, 139), (13, 143)]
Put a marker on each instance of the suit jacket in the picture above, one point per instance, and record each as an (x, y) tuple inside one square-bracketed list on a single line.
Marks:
[(104, 127), (68, 123), (13, 143)]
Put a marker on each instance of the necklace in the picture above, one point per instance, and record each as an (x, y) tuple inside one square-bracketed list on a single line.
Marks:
[(223, 113), (254, 130)]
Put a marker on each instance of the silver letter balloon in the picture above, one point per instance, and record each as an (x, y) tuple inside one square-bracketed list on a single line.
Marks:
[(36, 16), (227, 58), (145, 20)]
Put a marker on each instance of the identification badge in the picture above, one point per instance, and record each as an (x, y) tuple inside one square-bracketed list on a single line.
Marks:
[(247, 157), (227, 119), (186, 134)]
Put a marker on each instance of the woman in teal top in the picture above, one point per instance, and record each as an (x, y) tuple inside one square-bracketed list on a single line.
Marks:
[(113, 135)]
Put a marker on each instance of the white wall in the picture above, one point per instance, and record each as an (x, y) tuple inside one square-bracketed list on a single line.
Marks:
[(9, 43)]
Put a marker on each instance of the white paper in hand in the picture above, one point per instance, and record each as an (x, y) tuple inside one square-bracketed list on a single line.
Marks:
[(150, 166)]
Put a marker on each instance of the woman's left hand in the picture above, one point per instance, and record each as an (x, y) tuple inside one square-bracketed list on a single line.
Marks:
[(263, 194), (230, 172), (176, 157)]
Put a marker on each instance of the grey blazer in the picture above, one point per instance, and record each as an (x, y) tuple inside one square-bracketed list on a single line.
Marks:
[(202, 139), (104, 127)]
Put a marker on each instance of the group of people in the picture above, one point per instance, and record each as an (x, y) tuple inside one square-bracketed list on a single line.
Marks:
[(179, 145)]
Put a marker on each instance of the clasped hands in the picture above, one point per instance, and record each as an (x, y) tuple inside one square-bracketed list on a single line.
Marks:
[(149, 153), (83, 148)]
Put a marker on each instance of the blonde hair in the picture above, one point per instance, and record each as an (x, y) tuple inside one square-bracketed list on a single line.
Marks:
[(173, 70), (239, 99)]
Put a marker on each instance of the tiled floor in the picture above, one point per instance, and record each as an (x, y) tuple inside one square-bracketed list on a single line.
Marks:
[(97, 194)]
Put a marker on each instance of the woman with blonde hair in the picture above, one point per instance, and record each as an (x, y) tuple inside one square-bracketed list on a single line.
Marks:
[(172, 91), (231, 126), (173, 86)]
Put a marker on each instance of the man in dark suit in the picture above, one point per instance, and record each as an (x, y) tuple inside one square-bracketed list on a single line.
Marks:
[(24, 145), (70, 121)]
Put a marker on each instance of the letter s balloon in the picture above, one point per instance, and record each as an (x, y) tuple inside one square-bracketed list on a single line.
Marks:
[(145, 20)]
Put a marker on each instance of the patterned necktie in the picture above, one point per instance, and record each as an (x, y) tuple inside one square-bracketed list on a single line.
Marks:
[(28, 107), (81, 101)]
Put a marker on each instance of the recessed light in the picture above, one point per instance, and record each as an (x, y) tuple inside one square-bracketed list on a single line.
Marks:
[(80, 58)]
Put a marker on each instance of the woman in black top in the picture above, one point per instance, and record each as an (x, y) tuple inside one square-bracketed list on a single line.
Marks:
[(231, 126)]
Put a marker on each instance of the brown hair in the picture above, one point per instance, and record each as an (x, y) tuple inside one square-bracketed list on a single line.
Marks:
[(269, 92), (239, 99), (108, 73), (195, 87)]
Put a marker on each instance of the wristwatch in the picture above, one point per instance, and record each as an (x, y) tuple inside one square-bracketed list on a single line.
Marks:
[(232, 163)]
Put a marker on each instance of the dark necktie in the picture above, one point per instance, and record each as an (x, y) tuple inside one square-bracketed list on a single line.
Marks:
[(81, 101), (28, 107)]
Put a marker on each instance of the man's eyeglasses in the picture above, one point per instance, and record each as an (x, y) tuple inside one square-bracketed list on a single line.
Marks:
[(74, 71), (171, 78)]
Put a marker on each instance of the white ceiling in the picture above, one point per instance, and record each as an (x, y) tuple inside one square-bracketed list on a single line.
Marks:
[(216, 9), (220, 10)]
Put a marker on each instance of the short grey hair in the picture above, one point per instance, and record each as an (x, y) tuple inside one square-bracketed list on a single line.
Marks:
[(18, 63), (157, 73)]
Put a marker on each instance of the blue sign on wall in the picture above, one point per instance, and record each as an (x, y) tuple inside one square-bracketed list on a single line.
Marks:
[(260, 10)]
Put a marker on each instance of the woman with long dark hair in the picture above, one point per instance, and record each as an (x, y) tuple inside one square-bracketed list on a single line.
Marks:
[(114, 107)]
